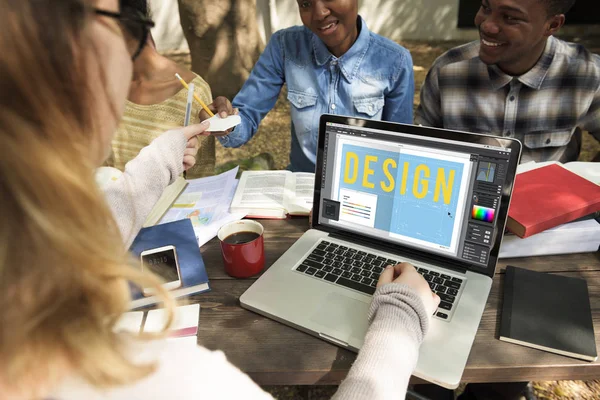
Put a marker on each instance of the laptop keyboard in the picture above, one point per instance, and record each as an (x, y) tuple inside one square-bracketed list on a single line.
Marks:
[(360, 271)]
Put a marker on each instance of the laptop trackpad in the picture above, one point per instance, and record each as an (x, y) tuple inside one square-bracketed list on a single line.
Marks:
[(342, 317)]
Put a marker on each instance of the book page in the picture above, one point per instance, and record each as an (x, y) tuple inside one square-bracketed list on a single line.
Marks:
[(262, 190), (301, 201)]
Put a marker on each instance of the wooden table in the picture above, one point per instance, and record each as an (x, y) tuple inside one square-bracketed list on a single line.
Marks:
[(275, 354)]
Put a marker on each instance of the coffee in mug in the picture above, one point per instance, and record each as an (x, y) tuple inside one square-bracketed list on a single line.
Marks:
[(242, 247), (241, 237)]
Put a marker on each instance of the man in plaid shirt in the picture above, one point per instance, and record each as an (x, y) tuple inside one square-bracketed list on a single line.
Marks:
[(518, 81)]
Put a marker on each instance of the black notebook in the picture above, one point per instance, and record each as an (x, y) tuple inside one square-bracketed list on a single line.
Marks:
[(548, 312)]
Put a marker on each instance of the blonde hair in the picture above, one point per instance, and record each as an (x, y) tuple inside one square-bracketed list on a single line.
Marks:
[(63, 267)]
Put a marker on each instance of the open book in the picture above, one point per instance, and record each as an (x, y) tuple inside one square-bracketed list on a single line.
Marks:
[(274, 194), (165, 201)]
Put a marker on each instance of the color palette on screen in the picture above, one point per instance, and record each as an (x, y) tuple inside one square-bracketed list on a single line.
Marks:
[(483, 214)]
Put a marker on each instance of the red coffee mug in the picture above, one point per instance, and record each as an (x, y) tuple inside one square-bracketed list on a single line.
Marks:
[(242, 246)]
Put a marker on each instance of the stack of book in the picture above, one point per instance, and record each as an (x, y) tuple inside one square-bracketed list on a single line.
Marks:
[(555, 209)]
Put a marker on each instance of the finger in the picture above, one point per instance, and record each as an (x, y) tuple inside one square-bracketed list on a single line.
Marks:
[(189, 161), (190, 152), (194, 130), (403, 267), (203, 115), (436, 303), (386, 276), (223, 106), (236, 111), (193, 142), (220, 133)]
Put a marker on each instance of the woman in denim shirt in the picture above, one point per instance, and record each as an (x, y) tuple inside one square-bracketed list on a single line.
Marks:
[(333, 64)]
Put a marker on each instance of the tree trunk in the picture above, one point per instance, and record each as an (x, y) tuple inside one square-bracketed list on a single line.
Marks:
[(223, 39)]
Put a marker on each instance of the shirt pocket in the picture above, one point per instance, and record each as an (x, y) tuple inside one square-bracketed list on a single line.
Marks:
[(371, 106), (542, 139), (304, 106)]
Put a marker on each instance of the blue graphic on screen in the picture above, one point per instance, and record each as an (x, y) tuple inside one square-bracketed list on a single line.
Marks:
[(385, 200), (425, 210)]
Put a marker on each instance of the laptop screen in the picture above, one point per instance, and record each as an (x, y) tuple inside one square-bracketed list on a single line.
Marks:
[(433, 194)]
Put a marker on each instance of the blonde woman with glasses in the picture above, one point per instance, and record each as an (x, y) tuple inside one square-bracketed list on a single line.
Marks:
[(64, 270)]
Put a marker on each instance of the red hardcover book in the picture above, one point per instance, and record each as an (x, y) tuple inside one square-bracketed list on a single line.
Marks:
[(547, 197)]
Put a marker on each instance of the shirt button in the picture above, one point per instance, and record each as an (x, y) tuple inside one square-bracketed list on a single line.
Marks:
[(548, 141), (334, 62), (512, 98), (300, 100), (333, 106), (370, 107)]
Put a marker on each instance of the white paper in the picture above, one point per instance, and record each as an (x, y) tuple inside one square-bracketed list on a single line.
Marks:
[(531, 165), (586, 169), (218, 124), (573, 237), (184, 341), (207, 232), (130, 322), (185, 317), (204, 200)]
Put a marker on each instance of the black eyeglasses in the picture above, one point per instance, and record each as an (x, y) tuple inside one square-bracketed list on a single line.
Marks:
[(133, 24)]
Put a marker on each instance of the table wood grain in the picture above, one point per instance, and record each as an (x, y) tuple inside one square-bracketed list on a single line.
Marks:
[(275, 354)]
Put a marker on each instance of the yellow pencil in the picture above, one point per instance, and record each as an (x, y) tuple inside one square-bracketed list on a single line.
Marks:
[(185, 85)]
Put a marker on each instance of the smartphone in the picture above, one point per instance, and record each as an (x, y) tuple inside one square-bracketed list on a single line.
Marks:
[(163, 262)]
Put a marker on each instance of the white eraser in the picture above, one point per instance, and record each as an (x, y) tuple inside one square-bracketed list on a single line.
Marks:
[(218, 124)]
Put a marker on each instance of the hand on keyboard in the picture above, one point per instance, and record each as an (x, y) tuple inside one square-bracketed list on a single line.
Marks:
[(407, 274)]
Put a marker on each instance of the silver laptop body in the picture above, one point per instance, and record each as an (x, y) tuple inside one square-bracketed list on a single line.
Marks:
[(385, 193)]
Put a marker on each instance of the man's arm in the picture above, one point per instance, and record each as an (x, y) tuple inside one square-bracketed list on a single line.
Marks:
[(429, 112), (591, 121), (259, 94)]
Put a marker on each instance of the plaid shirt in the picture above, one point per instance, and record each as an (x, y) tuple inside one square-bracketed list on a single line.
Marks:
[(545, 108)]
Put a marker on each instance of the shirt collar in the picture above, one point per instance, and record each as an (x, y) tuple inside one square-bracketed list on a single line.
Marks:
[(532, 78), (351, 60)]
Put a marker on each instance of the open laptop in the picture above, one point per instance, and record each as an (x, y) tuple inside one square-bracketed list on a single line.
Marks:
[(387, 193)]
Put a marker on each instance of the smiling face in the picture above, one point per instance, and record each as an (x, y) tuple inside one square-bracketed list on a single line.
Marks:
[(333, 21), (514, 32)]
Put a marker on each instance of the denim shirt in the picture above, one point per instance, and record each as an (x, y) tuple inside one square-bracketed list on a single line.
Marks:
[(373, 79)]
